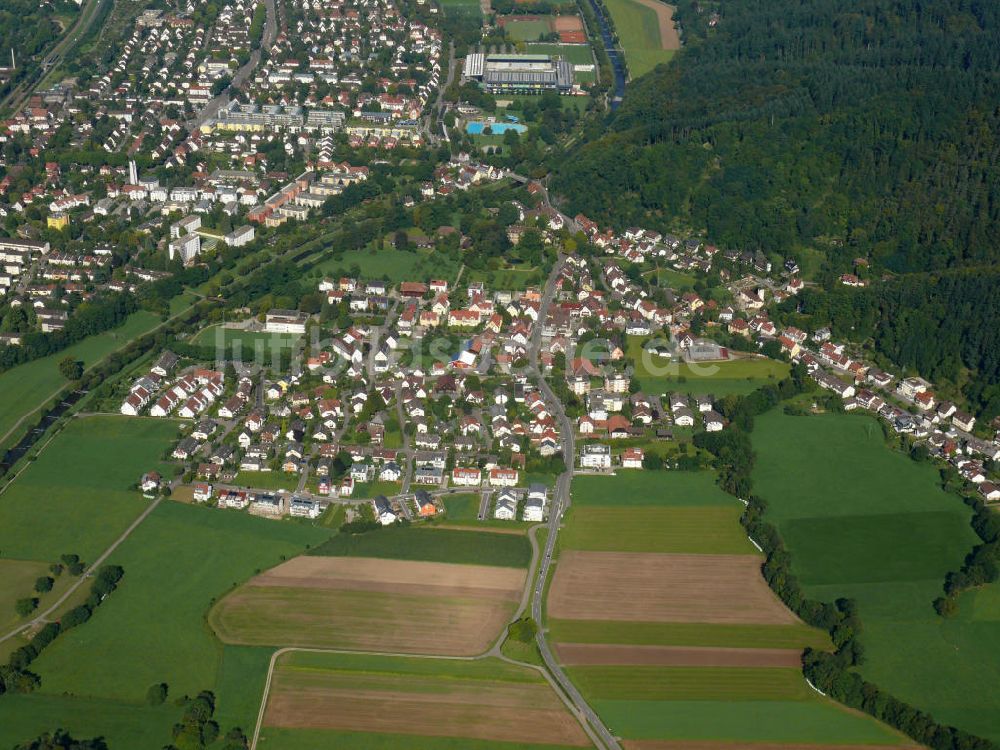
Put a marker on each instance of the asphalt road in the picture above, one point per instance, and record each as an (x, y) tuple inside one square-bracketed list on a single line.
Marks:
[(560, 502)]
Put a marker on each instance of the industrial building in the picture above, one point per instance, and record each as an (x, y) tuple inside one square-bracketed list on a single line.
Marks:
[(518, 74)]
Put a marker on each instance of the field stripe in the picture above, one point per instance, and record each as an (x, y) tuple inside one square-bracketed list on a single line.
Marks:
[(578, 654)]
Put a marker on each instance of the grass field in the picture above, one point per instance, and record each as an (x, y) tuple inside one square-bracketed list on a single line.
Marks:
[(17, 581), (577, 54), (27, 387), (182, 558), (868, 523), (176, 563), (396, 265), (528, 31), (433, 545), (77, 497), (727, 635), (483, 704), (658, 375), (640, 35), (121, 724), (462, 7), (671, 489), (233, 342), (266, 480), (690, 683), (811, 722), (462, 506), (696, 529)]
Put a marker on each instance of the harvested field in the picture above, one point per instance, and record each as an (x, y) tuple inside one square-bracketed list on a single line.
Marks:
[(581, 654), (665, 588), (429, 705), (711, 745), (376, 604), (348, 572)]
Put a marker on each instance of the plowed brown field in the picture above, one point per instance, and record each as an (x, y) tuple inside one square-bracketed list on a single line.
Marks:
[(663, 588)]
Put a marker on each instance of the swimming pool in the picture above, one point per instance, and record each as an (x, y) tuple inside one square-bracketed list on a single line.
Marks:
[(498, 128)]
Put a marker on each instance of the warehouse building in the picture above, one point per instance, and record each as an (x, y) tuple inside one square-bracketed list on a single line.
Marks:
[(519, 74)]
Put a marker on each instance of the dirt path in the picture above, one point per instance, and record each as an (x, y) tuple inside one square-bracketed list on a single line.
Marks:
[(669, 38)]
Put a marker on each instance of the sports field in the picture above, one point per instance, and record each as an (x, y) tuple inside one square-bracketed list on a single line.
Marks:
[(233, 342), (152, 629), (388, 262), (77, 497), (578, 54), (527, 29), (370, 604), (868, 523), (659, 375), (646, 31), (660, 614), (27, 387), (369, 701), (463, 7)]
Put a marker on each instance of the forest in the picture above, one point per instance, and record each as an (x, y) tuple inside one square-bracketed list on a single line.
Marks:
[(863, 129), (942, 325)]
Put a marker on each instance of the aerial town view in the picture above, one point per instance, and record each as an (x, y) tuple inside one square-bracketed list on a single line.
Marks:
[(499, 375)]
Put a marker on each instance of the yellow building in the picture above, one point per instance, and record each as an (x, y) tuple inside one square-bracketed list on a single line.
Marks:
[(58, 221)]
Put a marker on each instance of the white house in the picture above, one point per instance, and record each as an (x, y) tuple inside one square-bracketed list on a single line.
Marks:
[(595, 457), (534, 506), (384, 513), (506, 506)]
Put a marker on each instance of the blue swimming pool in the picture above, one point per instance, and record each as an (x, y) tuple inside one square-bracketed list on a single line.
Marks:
[(498, 128)]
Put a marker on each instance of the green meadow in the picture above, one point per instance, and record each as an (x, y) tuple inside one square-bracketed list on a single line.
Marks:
[(28, 387), (639, 32), (657, 488), (78, 495), (725, 635), (810, 722), (152, 629), (658, 375), (690, 530), (433, 545), (866, 522)]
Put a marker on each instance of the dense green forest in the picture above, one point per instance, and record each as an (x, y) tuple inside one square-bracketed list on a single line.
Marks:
[(867, 128), (942, 325)]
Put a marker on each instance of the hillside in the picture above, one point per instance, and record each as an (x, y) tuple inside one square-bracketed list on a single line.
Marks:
[(861, 129)]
